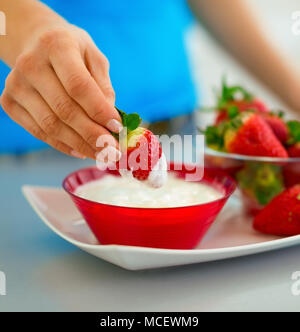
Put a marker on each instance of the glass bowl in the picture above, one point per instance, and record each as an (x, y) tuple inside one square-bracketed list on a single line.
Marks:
[(168, 228), (259, 179)]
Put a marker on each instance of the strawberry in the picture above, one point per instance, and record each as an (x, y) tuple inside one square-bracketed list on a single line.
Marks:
[(291, 171), (141, 149), (142, 153), (239, 106), (234, 100), (293, 141), (291, 174), (278, 126), (282, 215), (258, 105), (294, 150), (248, 134), (221, 116)]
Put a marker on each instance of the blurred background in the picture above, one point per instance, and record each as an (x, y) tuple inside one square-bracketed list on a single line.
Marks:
[(208, 62), (275, 17)]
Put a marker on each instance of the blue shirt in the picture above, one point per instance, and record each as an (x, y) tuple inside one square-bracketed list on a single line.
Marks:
[(144, 43)]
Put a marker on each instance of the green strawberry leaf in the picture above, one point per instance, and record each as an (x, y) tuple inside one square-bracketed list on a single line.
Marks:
[(235, 123), (131, 121), (232, 112), (262, 181), (123, 115), (294, 130), (280, 114), (229, 94), (214, 136)]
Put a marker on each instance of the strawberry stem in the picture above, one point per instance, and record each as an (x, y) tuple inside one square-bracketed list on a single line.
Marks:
[(130, 121)]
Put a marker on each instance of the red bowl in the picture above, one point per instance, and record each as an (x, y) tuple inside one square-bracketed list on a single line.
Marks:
[(169, 228)]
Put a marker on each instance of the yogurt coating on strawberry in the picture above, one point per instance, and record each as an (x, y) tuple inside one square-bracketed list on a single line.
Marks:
[(125, 191), (142, 158), (158, 176)]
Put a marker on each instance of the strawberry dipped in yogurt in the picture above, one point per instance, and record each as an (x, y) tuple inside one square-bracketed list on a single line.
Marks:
[(142, 157)]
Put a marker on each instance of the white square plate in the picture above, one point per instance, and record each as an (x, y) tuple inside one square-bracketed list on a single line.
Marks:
[(230, 236)]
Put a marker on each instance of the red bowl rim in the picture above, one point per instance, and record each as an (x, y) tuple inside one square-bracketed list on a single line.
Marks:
[(217, 172)]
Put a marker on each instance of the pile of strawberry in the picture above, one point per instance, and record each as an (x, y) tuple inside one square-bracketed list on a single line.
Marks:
[(245, 125)]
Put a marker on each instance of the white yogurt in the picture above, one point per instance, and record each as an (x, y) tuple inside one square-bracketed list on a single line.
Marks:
[(158, 175), (123, 191)]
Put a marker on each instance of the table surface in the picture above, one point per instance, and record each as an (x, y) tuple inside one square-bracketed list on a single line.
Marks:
[(46, 273)]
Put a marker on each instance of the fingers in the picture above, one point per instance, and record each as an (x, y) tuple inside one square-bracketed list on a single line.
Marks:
[(81, 87), (61, 90), (98, 67), (23, 118), (55, 129), (67, 110)]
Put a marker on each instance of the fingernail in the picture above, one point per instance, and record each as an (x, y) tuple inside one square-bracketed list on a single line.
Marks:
[(114, 126), (77, 154)]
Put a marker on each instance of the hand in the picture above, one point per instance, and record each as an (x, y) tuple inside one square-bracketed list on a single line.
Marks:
[(60, 91)]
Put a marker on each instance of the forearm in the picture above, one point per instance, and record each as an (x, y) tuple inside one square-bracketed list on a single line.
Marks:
[(24, 18), (236, 27)]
